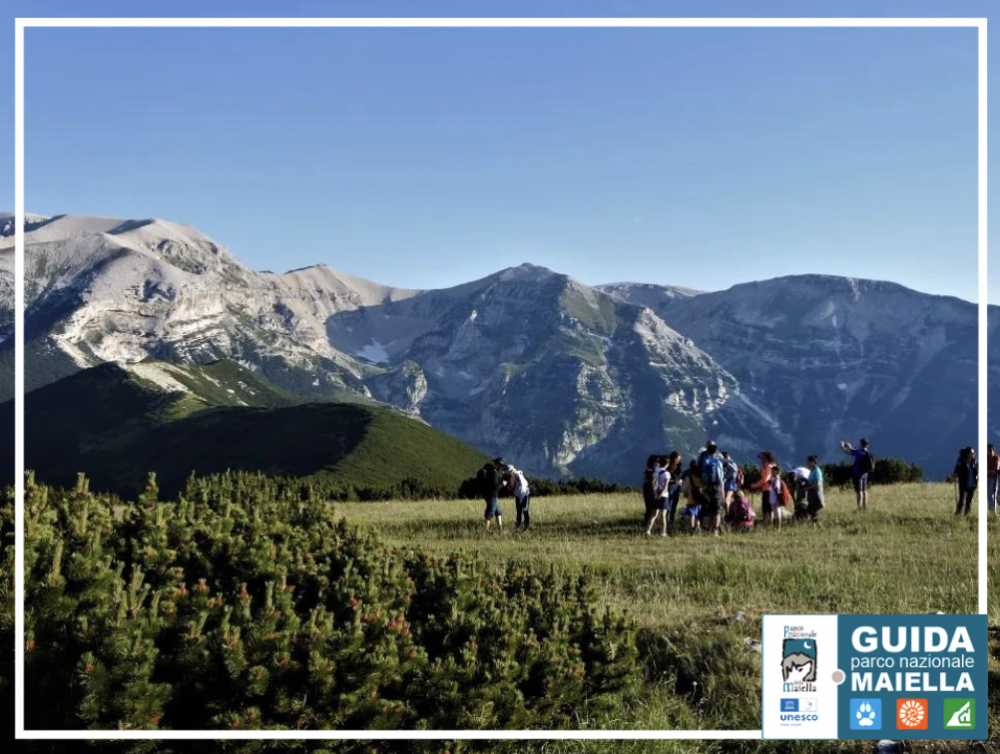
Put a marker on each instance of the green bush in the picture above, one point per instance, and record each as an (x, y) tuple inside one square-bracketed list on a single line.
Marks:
[(540, 487), (887, 471), (247, 604)]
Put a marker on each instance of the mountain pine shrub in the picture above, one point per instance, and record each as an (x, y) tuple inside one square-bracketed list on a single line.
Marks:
[(246, 603)]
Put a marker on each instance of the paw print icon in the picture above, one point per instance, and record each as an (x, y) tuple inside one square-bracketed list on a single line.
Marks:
[(866, 714)]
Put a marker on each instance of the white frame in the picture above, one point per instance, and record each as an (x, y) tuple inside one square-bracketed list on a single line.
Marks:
[(22, 23)]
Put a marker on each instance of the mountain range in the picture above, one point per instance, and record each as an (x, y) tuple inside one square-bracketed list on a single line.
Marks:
[(562, 377)]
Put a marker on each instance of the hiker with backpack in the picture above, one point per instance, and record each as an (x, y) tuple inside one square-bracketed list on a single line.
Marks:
[(661, 507), (864, 464), (713, 477), (967, 478), (491, 481), (522, 496), (691, 488), (992, 473), (798, 480), (649, 478)]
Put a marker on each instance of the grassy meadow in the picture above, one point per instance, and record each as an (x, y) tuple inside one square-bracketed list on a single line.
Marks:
[(699, 665), (906, 553)]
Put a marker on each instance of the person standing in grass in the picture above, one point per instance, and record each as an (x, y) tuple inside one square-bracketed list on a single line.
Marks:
[(675, 467), (713, 475), (522, 496), (814, 489), (863, 464), (967, 477), (662, 505), (691, 487), (649, 479), (769, 477), (732, 480), (492, 481), (992, 474)]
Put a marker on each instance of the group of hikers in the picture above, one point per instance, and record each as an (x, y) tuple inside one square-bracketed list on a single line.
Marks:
[(966, 474), (714, 491)]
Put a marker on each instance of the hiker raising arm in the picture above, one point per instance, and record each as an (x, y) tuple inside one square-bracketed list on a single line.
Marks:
[(862, 466)]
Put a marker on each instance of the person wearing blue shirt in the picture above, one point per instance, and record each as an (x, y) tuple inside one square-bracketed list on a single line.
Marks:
[(859, 471)]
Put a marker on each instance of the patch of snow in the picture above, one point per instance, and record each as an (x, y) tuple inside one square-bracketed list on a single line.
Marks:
[(833, 319), (473, 316), (841, 386), (315, 383), (374, 352)]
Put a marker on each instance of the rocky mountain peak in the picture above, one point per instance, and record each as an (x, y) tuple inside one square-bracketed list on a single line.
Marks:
[(526, 362)]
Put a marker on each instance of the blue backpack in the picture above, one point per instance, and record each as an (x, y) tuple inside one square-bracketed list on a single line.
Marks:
[(712, 471)]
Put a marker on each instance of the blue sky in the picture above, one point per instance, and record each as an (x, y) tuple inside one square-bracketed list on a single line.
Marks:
[(430, 157)]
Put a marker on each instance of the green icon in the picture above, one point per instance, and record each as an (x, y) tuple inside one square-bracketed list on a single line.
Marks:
[(959, 714)]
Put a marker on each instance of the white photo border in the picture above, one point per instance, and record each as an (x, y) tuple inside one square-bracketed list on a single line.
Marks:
[(23, 23)]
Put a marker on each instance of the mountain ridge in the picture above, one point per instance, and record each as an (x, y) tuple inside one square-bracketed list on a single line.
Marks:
[(117, 423), (571, 379)]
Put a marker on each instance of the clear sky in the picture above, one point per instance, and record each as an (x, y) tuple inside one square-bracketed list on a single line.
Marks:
[(426, 158)]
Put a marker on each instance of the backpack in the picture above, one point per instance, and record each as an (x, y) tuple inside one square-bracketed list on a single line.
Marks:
[(732, 471), (868, 463), (742, 513), (489, 481), (648, 486), (739, 477), (711, 470), (784, 496)]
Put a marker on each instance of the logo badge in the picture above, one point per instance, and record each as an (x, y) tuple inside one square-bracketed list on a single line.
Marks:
[(798, 661), (959, 714), (808, 705), (866, 714), (789, 705), (911, 714)]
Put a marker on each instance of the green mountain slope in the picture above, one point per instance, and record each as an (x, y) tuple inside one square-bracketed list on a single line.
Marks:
[(117, 423)]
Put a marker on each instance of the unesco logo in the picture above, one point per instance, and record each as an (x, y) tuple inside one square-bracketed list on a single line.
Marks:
[(799, 710)]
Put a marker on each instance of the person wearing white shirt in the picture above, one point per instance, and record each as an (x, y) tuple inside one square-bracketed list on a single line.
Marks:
[(522, 497), (661, 507)]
